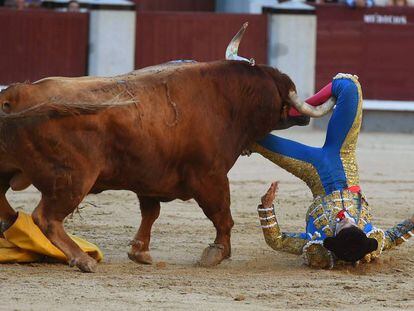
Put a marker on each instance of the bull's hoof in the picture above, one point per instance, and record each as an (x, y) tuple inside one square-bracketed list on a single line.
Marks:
[(140, 257), (85, 264), (212, 255), (137, 253)]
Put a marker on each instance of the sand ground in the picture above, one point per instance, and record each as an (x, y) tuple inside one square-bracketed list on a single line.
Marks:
[(256, 277)]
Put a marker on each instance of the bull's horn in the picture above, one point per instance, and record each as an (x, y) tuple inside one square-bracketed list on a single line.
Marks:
[(311, 111), (233, 47)]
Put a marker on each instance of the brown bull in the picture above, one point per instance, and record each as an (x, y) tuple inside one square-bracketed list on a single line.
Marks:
[(166, 132)]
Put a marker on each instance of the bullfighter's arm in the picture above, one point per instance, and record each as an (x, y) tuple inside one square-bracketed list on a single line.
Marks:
[(274, 237), (399, 233)]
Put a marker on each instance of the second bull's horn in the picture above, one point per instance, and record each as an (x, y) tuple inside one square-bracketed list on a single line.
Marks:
[(309, 110), (233, 47)]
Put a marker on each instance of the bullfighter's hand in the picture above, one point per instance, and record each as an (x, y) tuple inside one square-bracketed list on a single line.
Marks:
[(269, 197)]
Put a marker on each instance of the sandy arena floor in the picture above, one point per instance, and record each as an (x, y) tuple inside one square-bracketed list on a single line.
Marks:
[(256, 278)]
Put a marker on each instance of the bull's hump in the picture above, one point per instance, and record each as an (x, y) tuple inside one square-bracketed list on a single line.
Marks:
[(70, 82), (163, 71), (164, 68)]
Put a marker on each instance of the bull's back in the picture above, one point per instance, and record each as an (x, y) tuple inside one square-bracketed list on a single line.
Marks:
[(179, 129)]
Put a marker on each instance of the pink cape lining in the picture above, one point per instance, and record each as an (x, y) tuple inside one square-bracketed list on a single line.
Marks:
[(318, 99)]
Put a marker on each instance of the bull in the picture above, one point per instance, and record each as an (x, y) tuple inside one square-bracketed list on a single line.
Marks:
[(167, 132)]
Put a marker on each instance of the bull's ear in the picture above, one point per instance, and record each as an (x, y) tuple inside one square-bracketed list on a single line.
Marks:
[(372, 245), (329, 243)]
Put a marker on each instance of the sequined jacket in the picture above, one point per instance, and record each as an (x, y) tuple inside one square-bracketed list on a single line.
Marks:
[(331, 173)]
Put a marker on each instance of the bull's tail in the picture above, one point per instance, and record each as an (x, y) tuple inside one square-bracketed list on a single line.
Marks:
[(64, 108), (399, 233)]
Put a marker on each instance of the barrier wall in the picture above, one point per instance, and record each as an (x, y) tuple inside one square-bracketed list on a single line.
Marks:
[(40, 43), (163, 37), (243, 6), (112, 41), (376, 44), (292, 46)]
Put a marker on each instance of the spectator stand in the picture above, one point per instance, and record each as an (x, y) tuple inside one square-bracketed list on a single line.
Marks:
[(111, 35), (38, 43)]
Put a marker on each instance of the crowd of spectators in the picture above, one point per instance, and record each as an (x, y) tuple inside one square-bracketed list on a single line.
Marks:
[(74, 6), (366, 3)]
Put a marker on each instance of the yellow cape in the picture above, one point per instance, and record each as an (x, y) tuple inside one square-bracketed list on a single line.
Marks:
[(24, 242)]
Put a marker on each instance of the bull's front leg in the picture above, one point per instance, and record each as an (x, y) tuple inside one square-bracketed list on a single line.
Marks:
[(49, 216), (214, 198), (150, 210), (62, 192)]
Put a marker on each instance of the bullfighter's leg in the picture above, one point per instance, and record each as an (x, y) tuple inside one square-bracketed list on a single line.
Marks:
[(214, 198), (49, 216), (150, 210)]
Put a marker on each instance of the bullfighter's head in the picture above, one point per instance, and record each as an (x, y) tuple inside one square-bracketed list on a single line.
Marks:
[(350, 243)]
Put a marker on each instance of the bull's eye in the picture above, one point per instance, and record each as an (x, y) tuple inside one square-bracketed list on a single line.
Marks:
[(6, 107)]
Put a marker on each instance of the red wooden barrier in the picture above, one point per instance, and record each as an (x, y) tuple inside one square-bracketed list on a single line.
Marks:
[(376, 44), (163, 37), (40, 43)]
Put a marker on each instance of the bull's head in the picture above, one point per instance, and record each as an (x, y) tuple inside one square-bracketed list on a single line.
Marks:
[(297, 112), (294, 111)]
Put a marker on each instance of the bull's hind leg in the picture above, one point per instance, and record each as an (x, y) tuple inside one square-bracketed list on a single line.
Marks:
[(214, 198), (7, 214), (17, 182), (150, 210)]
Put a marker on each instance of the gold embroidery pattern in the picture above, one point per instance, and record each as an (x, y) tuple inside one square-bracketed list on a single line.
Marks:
[(378, 235), (274, 237), (348, 148), (314, 253), (324, 210)]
